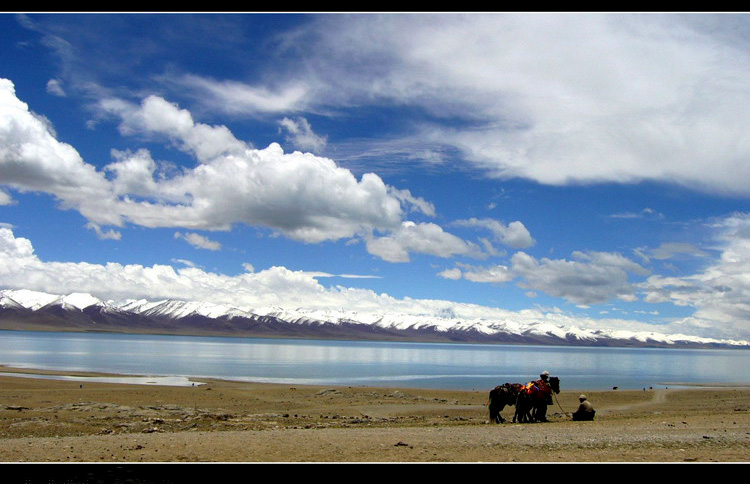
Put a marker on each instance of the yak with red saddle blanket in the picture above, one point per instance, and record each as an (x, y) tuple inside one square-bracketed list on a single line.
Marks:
[(533, 398)]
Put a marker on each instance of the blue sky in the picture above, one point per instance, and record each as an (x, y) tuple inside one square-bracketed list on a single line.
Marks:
[(587, 169)]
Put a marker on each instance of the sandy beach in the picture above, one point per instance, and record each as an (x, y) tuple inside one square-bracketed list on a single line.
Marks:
[(47, 420)]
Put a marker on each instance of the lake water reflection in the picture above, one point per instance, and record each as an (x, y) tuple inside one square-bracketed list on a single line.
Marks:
[(355, 363)]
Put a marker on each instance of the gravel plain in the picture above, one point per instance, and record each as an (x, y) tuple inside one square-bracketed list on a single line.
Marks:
[(43, 420)]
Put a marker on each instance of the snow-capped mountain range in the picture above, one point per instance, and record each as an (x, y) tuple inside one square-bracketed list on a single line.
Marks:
[(25, 309)]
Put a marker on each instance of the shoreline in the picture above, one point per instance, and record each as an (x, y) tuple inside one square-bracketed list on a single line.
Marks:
[(57, 420), (179, 380), (706, 385)]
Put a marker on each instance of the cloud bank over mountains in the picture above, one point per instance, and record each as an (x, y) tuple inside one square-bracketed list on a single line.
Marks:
[(718, 294)]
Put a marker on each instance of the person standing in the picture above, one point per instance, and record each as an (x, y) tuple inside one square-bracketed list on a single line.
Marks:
[(542, 384)]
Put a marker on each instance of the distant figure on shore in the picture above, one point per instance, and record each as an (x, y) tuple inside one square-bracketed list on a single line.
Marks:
[(585, 410)]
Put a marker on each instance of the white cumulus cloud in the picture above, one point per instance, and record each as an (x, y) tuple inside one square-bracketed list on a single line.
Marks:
[(301, 135), (514, 235), (423, 238), (591, 278), (31, 159), (198, 241), (300, 195)]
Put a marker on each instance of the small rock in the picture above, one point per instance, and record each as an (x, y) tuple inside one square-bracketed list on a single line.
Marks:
[(16, 407)]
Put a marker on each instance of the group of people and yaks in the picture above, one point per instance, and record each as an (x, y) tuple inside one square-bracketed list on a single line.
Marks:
[(531, 400)]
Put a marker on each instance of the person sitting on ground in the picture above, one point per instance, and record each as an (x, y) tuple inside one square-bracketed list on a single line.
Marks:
[(585, 410)]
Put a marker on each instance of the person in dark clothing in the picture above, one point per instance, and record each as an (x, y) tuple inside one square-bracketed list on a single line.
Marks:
[(585, 410), (543, 385)]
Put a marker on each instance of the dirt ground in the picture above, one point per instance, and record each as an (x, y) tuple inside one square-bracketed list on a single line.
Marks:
[(43, 420)]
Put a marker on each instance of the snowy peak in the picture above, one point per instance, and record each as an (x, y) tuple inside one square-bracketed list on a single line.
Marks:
[(79, 301), (35, 301), (6, 301), (175, 309), (32, 300)]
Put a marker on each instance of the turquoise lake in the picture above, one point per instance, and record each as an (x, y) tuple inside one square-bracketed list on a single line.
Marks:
[(367, 363)]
